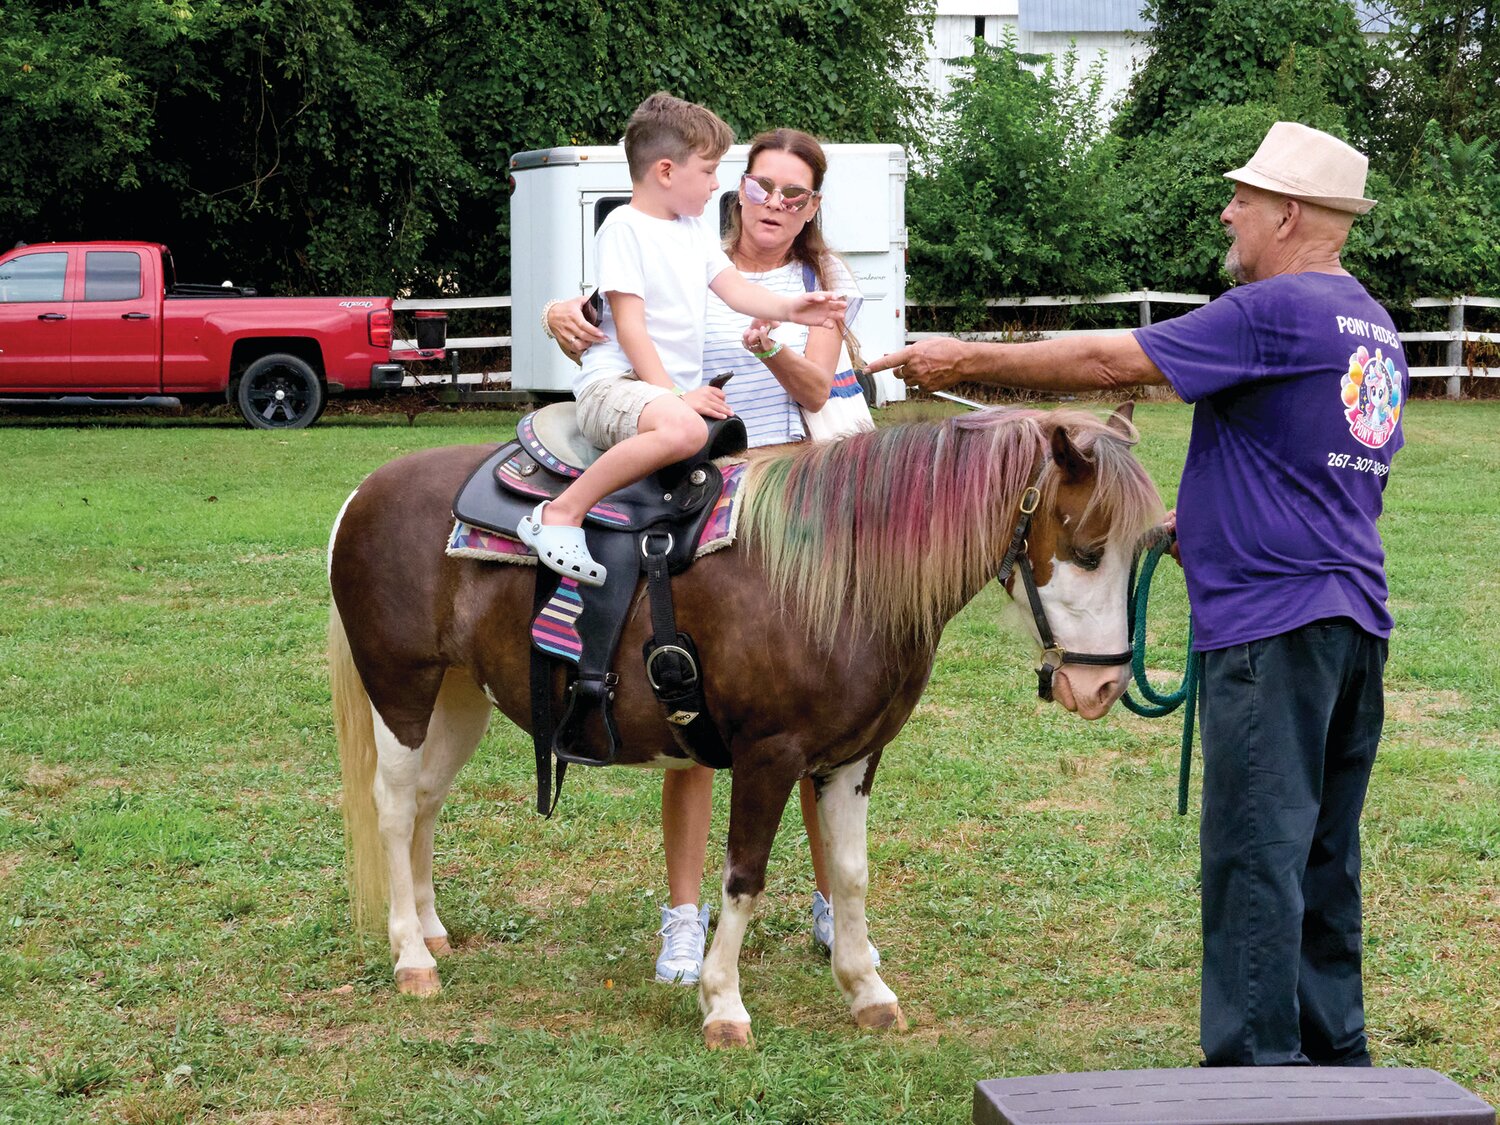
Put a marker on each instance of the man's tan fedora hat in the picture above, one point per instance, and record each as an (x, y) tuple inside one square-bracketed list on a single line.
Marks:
[(1309, 165)]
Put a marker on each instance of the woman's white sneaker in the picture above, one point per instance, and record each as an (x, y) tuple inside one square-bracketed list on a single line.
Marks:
[(822, 929), (683, 932)]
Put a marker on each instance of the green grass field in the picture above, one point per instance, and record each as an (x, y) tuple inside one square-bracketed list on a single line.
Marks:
[(174, 934)]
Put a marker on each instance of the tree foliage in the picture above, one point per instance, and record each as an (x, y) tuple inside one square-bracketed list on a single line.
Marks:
[(522, 76), (1436, 230), (1172, 178), (1173, 189), (1232, 52), (267, 140), (343, 146), (1013, 203), (72, 113), (1434, 149), (1441, 64), (365, 147), (1029, 197)]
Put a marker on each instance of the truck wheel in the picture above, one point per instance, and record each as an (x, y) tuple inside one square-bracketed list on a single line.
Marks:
[(280, 392)]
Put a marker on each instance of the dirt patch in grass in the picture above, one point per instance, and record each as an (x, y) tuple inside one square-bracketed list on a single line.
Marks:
[(552, 880), (539, 897), (1130, 721), (536, 1012), (928, 709), (1406, 1022), (304, 553), (158, 1107), (320, 1030), (960, 838), (1421, 706), (591, 1009), (50, 781), (500, 794), (322, 1112), (1065, 804)]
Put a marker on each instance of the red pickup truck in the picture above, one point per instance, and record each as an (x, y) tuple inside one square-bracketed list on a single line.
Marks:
[(101, 323)]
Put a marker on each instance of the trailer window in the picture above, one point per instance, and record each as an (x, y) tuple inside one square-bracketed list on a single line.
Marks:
[(111, 275), (605, 206), (34, 277)]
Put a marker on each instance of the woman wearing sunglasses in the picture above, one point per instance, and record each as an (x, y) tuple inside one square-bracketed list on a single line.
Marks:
[(774, 239)]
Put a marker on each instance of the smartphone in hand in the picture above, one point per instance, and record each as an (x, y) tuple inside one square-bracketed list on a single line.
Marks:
[(593, 309)]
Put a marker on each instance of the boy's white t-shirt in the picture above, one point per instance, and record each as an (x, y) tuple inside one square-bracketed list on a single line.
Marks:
[(668, 263)]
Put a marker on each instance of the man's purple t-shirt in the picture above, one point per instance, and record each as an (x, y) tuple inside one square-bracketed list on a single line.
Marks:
[(1298, 383)]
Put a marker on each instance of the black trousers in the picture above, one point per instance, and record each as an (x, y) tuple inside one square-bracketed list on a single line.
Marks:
[(1290, 726)]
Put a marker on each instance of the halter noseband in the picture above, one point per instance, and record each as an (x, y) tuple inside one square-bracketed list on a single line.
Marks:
[(1054, 656)]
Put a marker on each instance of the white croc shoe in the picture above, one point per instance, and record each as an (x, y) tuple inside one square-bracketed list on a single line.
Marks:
[(683, 932), (562, 548), (822, 912)]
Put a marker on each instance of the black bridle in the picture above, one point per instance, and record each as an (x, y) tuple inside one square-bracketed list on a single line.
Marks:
[(1054, 656)]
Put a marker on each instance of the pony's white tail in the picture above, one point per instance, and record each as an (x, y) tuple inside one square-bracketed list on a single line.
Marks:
[(364, 853)]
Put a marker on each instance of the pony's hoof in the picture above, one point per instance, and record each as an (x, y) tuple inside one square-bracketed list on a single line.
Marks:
[(726, 1035), (880, 1017), (417, 982), (438, 946)]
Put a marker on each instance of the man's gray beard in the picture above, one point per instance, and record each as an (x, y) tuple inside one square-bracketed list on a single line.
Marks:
[(1232, 265)]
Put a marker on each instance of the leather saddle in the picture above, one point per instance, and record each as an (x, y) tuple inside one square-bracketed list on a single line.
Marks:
[(549, 453), (650, 528)]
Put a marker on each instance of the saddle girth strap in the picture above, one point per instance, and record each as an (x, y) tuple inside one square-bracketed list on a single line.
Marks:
[(672, 666)]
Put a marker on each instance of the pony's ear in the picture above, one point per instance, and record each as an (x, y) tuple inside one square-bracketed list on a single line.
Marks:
[(1074, 465), (1124, 413)]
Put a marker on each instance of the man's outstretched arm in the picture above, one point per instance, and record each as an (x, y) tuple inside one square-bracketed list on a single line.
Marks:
[(1078, 363)]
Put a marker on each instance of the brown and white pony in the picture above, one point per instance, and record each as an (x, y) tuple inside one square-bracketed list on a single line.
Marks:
[(817, 631)]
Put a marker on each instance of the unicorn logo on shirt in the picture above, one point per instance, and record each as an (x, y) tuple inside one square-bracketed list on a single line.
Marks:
[(1371, 392)]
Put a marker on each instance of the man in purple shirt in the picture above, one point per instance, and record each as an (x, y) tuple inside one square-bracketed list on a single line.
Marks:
[(1298, 381)]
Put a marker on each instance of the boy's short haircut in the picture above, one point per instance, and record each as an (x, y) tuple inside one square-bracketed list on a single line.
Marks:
[(666, 127)]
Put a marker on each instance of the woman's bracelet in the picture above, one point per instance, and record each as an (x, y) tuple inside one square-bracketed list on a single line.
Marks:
[(767, 354), (547, 308)]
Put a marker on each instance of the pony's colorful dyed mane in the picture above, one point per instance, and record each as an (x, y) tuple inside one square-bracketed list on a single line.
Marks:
[(894, 531)]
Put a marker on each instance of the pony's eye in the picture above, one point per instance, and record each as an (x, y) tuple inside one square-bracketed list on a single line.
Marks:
[(1088, 559)]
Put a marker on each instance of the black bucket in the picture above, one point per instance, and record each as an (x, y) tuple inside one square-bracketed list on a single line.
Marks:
[(432, 329)]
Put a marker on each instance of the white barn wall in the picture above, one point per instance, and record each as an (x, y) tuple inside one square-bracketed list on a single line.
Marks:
[(1111, 31), (953, 34)]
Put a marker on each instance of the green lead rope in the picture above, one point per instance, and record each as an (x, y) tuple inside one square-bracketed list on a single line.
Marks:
[(1148, 552)]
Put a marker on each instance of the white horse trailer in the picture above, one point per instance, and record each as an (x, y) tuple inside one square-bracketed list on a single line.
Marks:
[(562, 195)]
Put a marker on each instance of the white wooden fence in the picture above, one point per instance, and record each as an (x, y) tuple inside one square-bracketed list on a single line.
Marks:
[(1456, 335)]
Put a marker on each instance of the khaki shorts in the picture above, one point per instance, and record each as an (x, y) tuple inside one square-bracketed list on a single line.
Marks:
[(609, 409)]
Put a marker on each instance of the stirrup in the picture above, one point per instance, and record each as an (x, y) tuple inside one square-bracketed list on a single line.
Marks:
[(561, 547)]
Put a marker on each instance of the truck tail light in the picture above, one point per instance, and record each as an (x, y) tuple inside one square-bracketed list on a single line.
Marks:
[(380, 328)]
